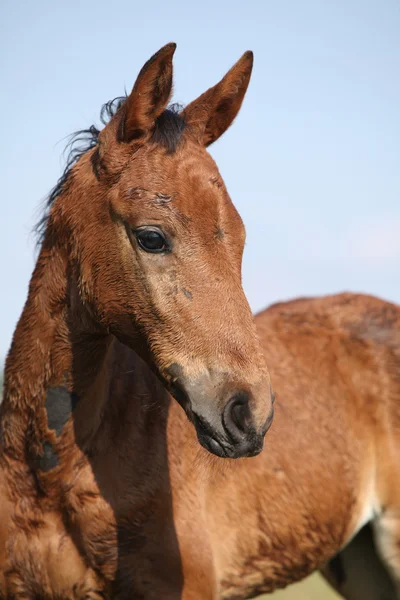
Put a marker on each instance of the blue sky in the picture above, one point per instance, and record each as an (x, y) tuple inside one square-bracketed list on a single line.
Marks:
[(312, 161)]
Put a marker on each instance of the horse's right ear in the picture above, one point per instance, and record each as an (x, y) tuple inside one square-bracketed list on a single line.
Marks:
[(149, 97)]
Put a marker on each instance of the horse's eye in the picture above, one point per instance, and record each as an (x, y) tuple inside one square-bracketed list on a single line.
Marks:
[(151, 240)]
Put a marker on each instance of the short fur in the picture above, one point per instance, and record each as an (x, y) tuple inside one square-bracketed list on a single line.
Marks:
[(107, 492)]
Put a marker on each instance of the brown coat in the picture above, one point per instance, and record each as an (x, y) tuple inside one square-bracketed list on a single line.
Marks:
[(105, 490)]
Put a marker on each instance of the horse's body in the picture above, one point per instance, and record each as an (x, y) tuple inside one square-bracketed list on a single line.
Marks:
[(148, 513), (105, 490)]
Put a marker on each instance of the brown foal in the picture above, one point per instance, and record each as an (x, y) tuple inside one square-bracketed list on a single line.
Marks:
[(136, 297)]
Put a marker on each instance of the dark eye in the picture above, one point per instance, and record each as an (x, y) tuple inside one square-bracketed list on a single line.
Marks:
[(151, 240)]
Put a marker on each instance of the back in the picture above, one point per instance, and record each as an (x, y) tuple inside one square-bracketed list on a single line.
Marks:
[(350, 340)]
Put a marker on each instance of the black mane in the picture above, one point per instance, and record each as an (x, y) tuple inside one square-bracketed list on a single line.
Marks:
[(167, 132)]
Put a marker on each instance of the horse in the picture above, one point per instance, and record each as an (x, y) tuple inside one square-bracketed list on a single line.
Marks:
[(137, 394)]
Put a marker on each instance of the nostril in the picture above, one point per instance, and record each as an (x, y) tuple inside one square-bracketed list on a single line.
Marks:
[(237, 417), (241, 415)]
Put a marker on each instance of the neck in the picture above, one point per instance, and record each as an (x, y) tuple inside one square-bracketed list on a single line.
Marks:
[(57, 349)]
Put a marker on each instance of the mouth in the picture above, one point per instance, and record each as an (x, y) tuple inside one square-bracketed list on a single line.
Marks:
[(206, 435), (223, 448), (207, 439), (204, 431)]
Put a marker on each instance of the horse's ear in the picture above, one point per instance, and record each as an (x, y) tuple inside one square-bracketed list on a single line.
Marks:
[(149, 97), (211, 114)]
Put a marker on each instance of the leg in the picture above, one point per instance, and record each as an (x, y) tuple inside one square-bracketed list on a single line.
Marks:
[(387, 534), (357, 572)]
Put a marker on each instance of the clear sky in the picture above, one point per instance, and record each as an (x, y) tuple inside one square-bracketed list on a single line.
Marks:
[(312, 161)]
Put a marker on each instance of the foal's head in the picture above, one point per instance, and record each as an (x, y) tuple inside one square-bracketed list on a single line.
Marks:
[(158, 247)]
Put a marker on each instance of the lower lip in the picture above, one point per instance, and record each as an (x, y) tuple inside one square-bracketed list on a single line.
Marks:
[(215, 447), (212, 446)]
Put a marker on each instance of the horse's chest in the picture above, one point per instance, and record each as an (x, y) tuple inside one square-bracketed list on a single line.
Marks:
[(89, 547), (44, 561)]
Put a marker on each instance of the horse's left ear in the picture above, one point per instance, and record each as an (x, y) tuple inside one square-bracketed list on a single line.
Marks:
[(213, 112), (149, 97)]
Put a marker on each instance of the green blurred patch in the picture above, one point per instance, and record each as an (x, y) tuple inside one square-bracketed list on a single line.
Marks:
[(312, 588)]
